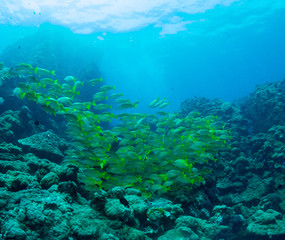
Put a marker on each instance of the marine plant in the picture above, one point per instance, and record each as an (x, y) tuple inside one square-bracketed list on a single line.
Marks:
[(155, 153)]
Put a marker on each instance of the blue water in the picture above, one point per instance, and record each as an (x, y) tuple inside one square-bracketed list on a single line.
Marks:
[(216, 51)]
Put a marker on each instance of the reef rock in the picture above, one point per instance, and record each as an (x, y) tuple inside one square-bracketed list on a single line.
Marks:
[(188, 227), (267, 223), (266, 107), (45, 145)]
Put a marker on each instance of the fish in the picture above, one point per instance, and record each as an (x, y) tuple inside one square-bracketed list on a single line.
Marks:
[(41, 100), (47, 81), (17, 92), (115, 145), (32, 79), (106, 117), (71, 117), (43, 72), (116, 95), (95, 81), (154, 102), (54, 104), (81, 106), (31, 95), (21, 68), (139, 122), (65, 100), (173, 173), (161, 103), (23, 86), (66, 86), (70, 93), (181, 163), (102, 106), (84, 123), (99, 96), (35, 86), (107, 88), (4, 73), (49, 109), (69, 79), (158, 103), (78, 83), (126, 106), (121, 100), (124, 202)]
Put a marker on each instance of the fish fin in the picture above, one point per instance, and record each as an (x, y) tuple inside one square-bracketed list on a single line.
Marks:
[(22, 95)]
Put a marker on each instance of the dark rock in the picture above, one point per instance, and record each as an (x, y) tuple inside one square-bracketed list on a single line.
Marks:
[(266, 223), (48, 180), (236, 222), (45, 145), (270, 201), (99, 199), (68, 187), (266, 106)]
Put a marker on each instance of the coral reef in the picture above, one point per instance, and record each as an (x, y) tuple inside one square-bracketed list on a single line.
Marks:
[(43, 187), (266, 106)]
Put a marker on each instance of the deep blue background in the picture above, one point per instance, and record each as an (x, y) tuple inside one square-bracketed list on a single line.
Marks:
[(224, 54)]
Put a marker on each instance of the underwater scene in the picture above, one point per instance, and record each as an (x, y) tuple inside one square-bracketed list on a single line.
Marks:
[(141, 120)]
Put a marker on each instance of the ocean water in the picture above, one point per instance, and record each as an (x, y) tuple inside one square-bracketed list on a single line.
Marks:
[(213, 49), (194, 149)]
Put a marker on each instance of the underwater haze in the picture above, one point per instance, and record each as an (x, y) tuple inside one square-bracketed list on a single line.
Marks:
[(173, 49), (142, 119)]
